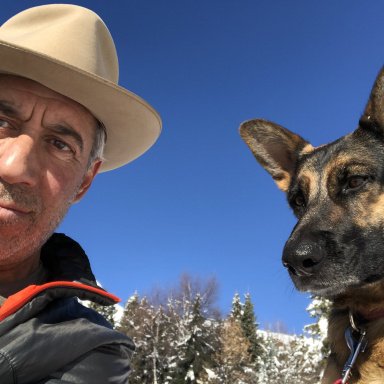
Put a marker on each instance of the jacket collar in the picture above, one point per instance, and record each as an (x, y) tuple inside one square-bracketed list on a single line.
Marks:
[(69, 275), (65, 260)]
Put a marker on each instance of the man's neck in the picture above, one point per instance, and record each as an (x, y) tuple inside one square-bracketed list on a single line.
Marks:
[(14, 277)]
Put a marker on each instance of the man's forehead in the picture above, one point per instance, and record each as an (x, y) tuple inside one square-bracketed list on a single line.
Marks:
[(18, 98), (23, 83), (16, 87)]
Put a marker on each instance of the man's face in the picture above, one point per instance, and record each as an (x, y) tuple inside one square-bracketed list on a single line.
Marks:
[(45, 142)]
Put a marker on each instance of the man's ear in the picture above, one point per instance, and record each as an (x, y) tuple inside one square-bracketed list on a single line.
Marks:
[(276, 148), (373, 116), (87, 180)]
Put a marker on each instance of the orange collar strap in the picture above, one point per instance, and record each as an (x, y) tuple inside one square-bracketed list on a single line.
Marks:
[(19, 299)]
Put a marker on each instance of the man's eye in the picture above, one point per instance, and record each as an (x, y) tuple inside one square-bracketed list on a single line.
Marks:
[(60, 145), (4, 124)]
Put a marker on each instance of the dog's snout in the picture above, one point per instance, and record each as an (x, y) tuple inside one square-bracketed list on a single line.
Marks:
[(303, 257)]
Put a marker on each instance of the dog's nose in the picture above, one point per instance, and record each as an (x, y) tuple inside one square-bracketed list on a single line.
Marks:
[(302, 258)]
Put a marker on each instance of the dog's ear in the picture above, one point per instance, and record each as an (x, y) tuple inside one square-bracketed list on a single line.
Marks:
[(276, 148), (373, 116)]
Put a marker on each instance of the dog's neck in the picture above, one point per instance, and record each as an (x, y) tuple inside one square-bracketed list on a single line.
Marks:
[(370, 315), (351, 333), (366, 302)]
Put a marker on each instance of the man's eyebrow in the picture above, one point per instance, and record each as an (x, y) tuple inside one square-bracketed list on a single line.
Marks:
[(9, 109), (66, 130)]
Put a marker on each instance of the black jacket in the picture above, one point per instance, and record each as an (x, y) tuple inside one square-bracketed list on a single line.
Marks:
[(47, 336)]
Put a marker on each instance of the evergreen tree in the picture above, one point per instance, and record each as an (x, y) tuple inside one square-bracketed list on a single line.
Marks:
[(289, 359), (159, 345), (319, 309), (197, 344), (303, 363), (130, 315), (132, 324), (107, 311), (177, 334), (249, 327), (171, 348), (181, 341), (237, 308), (145, 325), (269, 363)]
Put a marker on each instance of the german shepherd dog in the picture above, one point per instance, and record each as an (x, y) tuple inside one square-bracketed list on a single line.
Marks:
[(336, 249)]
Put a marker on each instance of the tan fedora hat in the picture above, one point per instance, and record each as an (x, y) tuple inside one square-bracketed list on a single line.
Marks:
[(69, 49)]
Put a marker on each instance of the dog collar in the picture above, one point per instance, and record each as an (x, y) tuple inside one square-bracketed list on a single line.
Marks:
[(355, 338)]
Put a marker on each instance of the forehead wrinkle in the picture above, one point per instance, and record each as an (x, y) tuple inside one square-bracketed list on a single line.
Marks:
[(34, 91), (10, 109), (63, 128)]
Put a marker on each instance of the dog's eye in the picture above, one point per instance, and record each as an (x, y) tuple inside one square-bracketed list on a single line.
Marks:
[(298, 201), (355, 182)]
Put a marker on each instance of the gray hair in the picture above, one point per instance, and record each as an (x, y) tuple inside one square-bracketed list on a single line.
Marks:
[(99, 141)]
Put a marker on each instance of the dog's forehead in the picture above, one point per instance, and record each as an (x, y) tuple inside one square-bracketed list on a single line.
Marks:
[(319, 160), (335, 156)]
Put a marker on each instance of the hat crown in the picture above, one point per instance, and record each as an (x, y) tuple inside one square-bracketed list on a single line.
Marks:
[(71, 34), (68, 49)]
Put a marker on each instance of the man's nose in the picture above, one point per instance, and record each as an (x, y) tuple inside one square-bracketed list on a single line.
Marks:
[(18, 160)]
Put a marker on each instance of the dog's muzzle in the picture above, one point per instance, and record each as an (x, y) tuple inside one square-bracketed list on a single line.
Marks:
[(303, 256)]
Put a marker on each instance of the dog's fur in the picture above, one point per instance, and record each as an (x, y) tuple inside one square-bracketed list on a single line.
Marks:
[(336, 249)]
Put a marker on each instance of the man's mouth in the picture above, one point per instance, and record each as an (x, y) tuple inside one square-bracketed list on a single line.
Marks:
[(10, 211), (15, 200)]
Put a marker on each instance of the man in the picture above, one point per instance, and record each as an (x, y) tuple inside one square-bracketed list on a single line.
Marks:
[(59, 104)]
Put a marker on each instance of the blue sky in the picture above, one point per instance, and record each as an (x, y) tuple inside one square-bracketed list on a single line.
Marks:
[(198, 202)]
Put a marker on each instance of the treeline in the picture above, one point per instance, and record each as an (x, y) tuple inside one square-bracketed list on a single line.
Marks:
[(181, 338)]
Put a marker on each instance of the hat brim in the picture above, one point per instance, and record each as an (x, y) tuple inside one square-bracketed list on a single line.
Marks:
[(132, 124)]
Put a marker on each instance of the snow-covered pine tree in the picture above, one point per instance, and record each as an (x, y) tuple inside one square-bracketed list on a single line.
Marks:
[(268, 363), (173, 329), (319, 309), (178, 311), (303, 364), (237, 308), (179, 343), (289, 359), (196, 345), (146, 325), (249, 327), (133, 323), (107, 311), (130, 315)]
